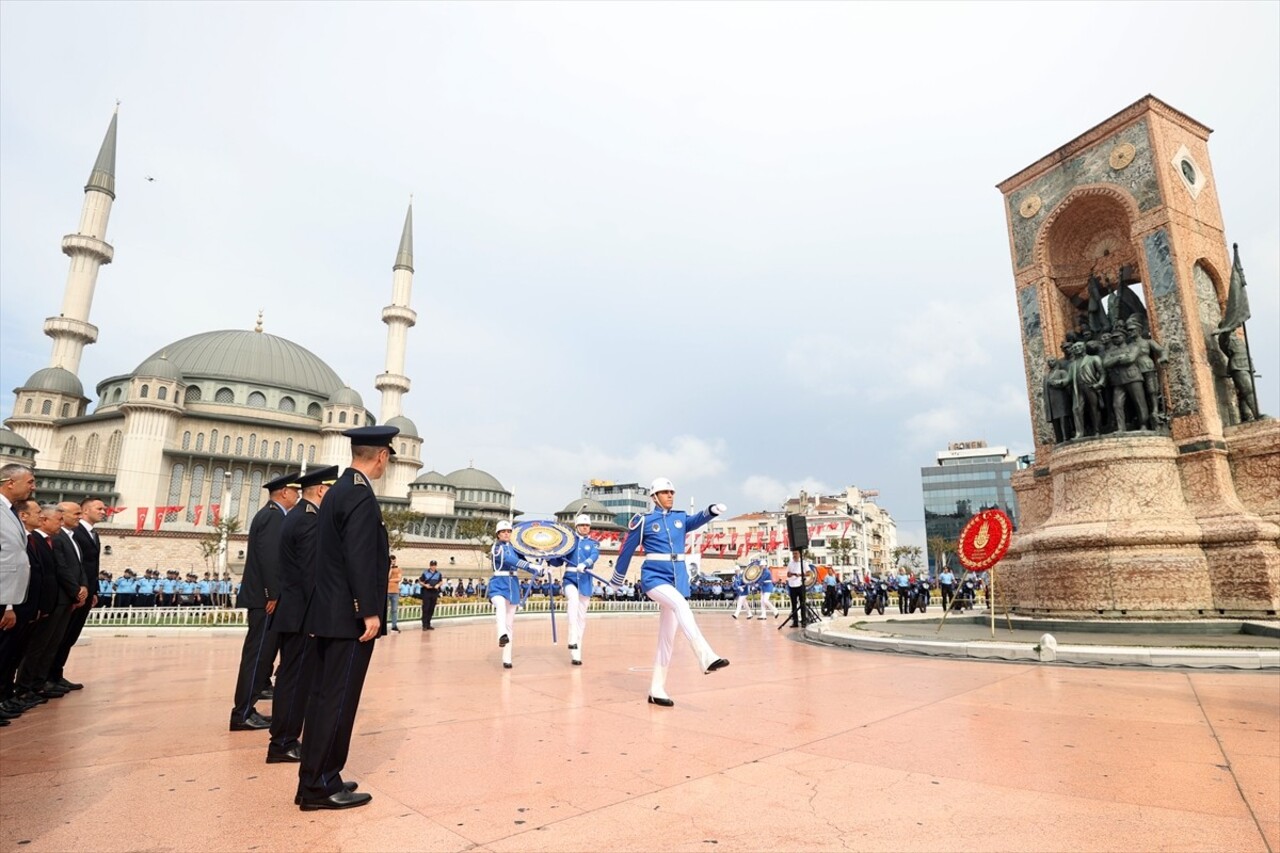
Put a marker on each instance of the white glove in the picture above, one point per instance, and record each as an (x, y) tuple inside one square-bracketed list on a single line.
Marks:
[(718, 509), (581, 567)]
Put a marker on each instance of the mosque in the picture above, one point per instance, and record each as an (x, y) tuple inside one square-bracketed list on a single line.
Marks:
[(193, 432)]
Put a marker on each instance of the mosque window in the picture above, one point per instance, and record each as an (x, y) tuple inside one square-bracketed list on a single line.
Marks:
[(197, 491), (288, 449), (145, 392), (115, 398), (175, 484), (91, 453), (27, 408), (162, 393), (213, 441), (113, 450), (255, 491), (46, 408), (302, 450), (193, 394), (226, 444), (239, 445), (258, 400), (275, 450), (69, 452), (186, 440), (199, 441), (224, 395), (66, 410), (287, 404), (402, 450), (342, 417), (263, 454), (215, 491), (237, 486), (331, 417), (253, 443), (355, 419), (313, 410), (311, 453)]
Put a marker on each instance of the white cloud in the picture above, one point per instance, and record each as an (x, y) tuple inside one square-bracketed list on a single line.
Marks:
[(771, 492)]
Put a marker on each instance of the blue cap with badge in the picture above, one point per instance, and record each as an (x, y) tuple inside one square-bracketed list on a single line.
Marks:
[(373, 436)]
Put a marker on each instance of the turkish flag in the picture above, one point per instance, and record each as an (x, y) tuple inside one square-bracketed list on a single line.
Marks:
[(160, 513), (142, 518), (215, 513), (199, 509)]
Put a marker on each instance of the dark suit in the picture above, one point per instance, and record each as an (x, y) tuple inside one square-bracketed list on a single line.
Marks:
[(297, 583), (42, 596), (42, 648), (259, 585), (353, 561), (90, 561)]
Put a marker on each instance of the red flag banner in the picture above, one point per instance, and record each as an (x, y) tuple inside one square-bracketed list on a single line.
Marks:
[(142, 518), (160, 511), (215, 513), (199, 509)]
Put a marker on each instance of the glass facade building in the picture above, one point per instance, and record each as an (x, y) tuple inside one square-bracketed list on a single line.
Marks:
[(968, 478), (624, 499)]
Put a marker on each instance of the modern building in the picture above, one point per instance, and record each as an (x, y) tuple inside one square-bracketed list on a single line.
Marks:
[(967, 478), (622, 499)]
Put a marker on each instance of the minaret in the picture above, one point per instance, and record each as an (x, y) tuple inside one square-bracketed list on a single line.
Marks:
[(399, 318), (88, 251)]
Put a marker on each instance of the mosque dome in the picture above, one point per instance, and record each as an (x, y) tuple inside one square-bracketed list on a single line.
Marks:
[(345, 396), (474, 478), (251, 357), (406, 426), (593, 507), (432, 478), (9, 438), (160, 368), (56, 379)]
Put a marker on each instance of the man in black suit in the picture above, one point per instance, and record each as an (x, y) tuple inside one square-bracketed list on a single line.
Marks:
[(297, 583), (347, 613), (259, 589), (92, 511), (42, 596), (73, 595)]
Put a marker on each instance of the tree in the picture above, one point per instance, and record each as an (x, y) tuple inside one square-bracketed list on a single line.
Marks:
[(908, 556), (480, 531), (841, 550), (213, 542), (941, 548), (398, 520)]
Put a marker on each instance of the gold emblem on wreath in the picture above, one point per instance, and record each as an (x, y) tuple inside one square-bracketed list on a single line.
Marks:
[(1122, 155), (1030, 206), (752, 573)]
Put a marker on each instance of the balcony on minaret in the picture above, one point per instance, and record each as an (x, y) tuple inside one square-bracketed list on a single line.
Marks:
[(392, 380), (400, 312), (81, 244), (69, 327)]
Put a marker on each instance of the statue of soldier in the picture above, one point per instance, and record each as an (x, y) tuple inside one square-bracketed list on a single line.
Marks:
[(1240, 369), (1121, 362), (1087, 377), (1149, 352), (1056, 407)]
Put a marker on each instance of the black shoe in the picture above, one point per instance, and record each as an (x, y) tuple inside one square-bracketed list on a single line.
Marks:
[(573, 648), (429, 628), (13, 707), (395, 628), (51, 691), (734, 615), (68, 685), (267, 694), (666, 703), (576, 663), (9, 715), (253, 722), (31, 698), (340, 800), (347, 786), (507, 665), (284, 756), (3, 723), (718, 663), (503, 640)]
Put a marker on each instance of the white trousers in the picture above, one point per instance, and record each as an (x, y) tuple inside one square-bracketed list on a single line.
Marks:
[(576, 606), (743, 604), (766, 604), (674, 612)]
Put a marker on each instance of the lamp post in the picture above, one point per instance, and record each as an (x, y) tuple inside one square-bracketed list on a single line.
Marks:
[(222, 537)]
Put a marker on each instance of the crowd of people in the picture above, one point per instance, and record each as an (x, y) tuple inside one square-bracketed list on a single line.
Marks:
[(173, 590)]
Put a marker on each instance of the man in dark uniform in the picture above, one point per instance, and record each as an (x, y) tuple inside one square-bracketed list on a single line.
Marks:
[(431, 580), (259, 590), (297, 582), (42, 597), (347, 613)]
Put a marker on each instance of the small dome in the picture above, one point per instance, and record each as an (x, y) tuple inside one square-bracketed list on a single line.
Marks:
[(474, 478), (592, 507), (159, 367), (56, 379), (346, 396), (9, 438), (406, 426), (432, 478)]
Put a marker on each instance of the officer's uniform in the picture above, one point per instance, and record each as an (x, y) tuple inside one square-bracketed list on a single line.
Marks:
[(145, 592), (259, 586), (126, 589), (431, 579), (577, 589), (353, 562), (665, 580), (297, 584), (505, 592), (740, 595), (766, 593)]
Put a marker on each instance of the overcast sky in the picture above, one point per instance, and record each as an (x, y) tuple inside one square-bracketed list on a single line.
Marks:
[(749, 247)]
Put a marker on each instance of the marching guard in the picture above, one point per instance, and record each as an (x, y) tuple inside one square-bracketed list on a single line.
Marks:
[(504, 588), (740, 592), (664, 578), (577, 583)]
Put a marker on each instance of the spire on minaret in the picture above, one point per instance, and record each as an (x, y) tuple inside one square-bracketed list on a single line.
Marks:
[(404, 255), (103, 176), (399, 318)]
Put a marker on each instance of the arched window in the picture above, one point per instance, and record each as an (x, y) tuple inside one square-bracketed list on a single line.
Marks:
[(355, 419), (197, 491), (311, 453), (287, 404), (69, 453), (217, 482), (162, 393), (258, 400), (263, 454), (330, 417), (46, 408), (66, 410), (237, 486), (255, 492), (175, 488), (115, 397), (275, 450), (186, 440), (91, 453), (113, 450), (253, 442), (313, 410), (224, 395), (301, 451), (288, 449), (240, 445), (226, 444), (199, 441), (213, 441), (27, 408), (193, 394), (342, 417), (146, 391), (402, 450)]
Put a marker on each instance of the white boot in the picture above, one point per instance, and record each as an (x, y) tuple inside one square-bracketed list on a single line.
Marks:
[(506, 656), (658, 688)]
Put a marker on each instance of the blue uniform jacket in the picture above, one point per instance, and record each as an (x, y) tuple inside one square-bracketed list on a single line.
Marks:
[(660, 532), (507, 559), (586, 552)]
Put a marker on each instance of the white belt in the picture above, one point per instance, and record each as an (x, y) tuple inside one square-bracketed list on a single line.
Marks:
[(664, 558), (507, 574)]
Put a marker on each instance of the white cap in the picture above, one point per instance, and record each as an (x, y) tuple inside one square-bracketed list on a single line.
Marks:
[(662, 484), (581, 520), (502, 525)]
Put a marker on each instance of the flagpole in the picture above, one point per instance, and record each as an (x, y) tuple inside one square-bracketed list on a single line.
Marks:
[(1244, 327)]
